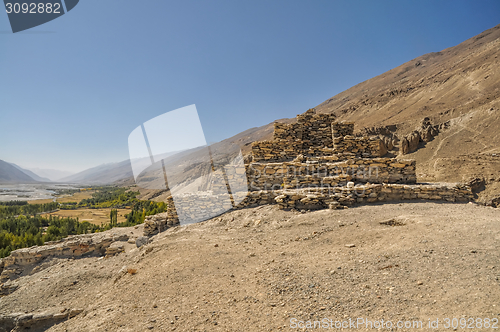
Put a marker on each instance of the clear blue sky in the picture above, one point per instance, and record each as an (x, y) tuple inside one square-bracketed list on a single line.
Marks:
[(72, 90)]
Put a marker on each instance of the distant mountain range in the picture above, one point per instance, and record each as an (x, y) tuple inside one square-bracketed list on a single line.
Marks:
[(31, 174), (50, 174), (10, 173), (103, 174)]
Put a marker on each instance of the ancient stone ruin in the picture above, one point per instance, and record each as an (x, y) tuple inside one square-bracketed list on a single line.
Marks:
[(314, 163)]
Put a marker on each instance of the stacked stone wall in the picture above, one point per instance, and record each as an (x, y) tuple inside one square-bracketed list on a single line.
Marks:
[(273, 176), (312, 164), (341, 129), (340, 197), (315, 135), (337, 197), (279, 150), (287, 131), (367, 147)]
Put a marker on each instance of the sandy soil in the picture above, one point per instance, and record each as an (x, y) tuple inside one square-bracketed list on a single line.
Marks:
[(256, 269)]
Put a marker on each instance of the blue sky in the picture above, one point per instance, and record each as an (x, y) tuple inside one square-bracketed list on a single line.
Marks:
[(73, 89)]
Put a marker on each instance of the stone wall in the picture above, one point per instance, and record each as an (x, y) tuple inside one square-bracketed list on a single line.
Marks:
[(341, 129), (278, 150), (161, 221), (339, 197), (311, 128), (273, 176), (313, 198), (36, 321), (315, 135), (366, 147), (311, 164)]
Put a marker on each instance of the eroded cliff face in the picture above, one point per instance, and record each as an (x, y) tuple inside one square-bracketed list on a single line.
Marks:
[(25, 261)]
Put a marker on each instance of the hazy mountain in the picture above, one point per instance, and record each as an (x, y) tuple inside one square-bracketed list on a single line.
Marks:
[(103, 174), (52, 174), (31, 174), (11, 174)]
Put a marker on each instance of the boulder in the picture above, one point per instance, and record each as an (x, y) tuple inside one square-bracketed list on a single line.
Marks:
[(495, 202), (114, 249), (410, 142), (477, 184), (141, 241)]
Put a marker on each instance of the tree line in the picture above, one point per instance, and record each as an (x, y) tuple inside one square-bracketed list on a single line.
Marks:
[(22, 226), (26, 231)]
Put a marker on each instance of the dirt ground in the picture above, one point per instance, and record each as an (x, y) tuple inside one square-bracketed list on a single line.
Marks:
[(259, 269)]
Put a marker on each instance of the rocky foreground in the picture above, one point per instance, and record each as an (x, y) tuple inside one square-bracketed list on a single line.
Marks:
[(259, 269)]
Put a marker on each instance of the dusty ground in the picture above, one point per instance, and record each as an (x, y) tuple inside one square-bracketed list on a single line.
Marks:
[(255, 269)]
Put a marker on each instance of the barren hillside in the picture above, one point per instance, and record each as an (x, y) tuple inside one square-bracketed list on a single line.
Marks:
[(256, 269), (458, 87)]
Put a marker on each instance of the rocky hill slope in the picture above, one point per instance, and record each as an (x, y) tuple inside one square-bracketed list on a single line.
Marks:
[(447, 105), (12, 174), (441, 109), (457, 89)]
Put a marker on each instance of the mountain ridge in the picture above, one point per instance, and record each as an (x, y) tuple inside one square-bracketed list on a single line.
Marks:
[(11, 174), (31, 174), (102, 174)]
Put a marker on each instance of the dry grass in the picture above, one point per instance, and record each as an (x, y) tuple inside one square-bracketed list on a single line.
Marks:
[(94, 216), (77, 197), (41, 201)]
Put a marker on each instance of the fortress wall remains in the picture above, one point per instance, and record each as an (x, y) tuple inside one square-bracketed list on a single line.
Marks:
[(273, 176), (314, 163), (367, 147), (287, 131), (340, 197), (322, 198), (315, 135), (341, 129), (72, 247), (314, 130), (279, 150)]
